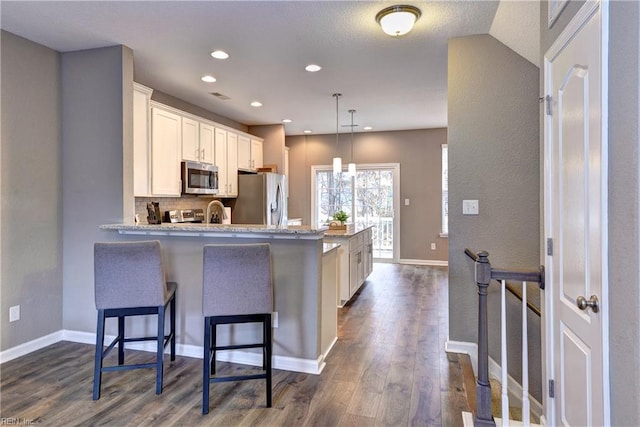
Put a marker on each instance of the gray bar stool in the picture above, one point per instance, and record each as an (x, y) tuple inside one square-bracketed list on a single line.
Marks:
[(237, 288), (130, 281)]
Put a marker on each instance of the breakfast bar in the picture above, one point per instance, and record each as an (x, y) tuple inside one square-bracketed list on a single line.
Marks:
[(304, 277)]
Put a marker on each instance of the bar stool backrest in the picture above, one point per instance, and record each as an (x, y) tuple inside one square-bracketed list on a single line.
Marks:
[(129, 274), (237, 280)]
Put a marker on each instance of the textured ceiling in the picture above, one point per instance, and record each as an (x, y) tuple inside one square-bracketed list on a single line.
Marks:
[(392, 83)]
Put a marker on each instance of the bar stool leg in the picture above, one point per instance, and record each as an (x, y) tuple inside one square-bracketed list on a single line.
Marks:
[(120, 340), (173, 328), (97, 370), (160, 351), (212, 346), (269, 349), (206, 366)]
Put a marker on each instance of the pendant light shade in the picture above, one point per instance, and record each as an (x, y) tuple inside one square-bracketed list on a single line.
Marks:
[(398, 20), (337, 165), (351, 169), (337, 161)]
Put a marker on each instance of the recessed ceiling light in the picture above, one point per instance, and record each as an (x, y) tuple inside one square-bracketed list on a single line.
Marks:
[(312, 68), (208, 79), (307, 131), (220, 54), (367, 128), (256, 104), (286, 120)]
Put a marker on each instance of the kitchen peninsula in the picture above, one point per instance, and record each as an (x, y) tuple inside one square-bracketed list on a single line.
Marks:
[(304, 297)]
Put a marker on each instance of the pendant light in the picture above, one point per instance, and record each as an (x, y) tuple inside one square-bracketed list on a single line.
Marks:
[(351, 168), (337, 161)]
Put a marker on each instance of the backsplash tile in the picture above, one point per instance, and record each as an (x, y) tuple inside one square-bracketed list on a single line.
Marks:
[(171, 203)]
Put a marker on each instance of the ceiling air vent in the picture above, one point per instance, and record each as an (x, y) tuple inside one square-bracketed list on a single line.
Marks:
[(219, 96)]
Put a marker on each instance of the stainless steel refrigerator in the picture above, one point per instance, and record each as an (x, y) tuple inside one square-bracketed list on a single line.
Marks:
[(262, 199)]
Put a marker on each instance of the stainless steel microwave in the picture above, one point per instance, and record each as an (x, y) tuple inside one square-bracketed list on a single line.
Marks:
[(199, 178)]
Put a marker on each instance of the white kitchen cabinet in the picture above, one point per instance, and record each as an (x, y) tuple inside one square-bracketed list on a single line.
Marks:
[(166, 135), (250, 153), (190, 140), (367, 252), (232, 165), (207, 143), (197, 141), (226, 159), (141, 140), (352, 261), (244, 153), (257, 154)]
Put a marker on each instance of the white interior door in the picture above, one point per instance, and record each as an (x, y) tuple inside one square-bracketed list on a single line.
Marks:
[(575, 219)]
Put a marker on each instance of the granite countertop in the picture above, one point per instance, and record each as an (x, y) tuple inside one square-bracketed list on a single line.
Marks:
[(221, 230), (346, 233)]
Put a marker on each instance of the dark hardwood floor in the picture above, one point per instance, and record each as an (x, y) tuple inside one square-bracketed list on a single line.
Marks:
[(388, 368)]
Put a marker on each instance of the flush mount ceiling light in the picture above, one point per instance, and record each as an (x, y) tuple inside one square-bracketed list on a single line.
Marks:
[(312, 68), (208, 79), (220, 54), (307, 131), (367, 128), (286, 120), (256, 104), (398, 20)]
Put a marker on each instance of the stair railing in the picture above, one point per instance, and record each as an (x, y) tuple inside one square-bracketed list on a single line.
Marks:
[(484, 273)]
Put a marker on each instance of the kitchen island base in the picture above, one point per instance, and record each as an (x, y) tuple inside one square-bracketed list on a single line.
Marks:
[(302, 314)]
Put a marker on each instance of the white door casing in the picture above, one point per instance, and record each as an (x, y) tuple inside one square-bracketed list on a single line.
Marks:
[(576, 220)]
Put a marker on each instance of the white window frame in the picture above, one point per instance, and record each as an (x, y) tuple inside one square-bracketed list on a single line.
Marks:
[(444, 182), (395, 167)]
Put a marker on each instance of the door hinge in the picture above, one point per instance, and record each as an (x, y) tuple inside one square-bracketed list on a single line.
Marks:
[(550, 246), (548, 103), (552, 388)]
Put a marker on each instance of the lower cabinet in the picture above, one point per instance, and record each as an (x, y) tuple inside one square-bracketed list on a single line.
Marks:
[(355, 262)]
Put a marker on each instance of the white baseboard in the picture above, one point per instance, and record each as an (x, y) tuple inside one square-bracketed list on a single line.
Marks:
[(295, 364), (31, 346), (495, 371), (430, 262)]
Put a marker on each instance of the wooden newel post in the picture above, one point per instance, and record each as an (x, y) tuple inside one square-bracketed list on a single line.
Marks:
[(483, 388)]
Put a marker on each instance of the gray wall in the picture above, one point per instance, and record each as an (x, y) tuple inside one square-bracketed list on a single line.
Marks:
[(94, 119), (493, 112), (624, 187), (624, 228), (419, 155), (31, 191)]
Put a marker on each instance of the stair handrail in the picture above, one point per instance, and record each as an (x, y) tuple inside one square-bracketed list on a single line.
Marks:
[(484, 273)]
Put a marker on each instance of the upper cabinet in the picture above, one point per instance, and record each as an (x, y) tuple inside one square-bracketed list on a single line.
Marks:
[(226, 159), (141, 140), (244, 153), (256, 154), (166, 135), (249, 153), (190, 140), (207, 144), (197, 141)]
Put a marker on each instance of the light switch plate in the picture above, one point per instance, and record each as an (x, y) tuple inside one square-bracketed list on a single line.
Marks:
[(14, 313), (407, 202), (470, 207)]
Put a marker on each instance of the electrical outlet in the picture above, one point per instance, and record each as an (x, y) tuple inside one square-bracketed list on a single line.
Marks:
[(274, 319), (14, 313), (433, 246), (407, 202)]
